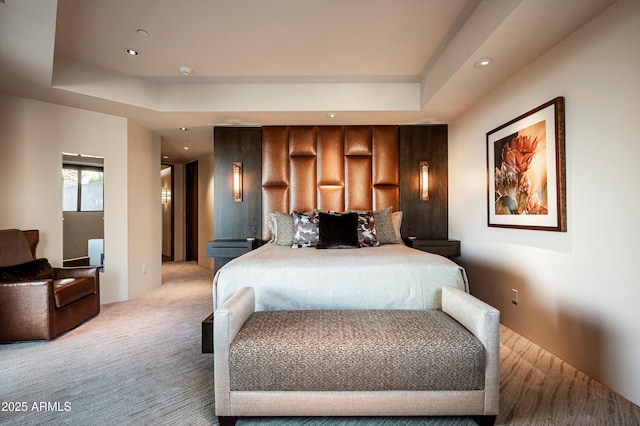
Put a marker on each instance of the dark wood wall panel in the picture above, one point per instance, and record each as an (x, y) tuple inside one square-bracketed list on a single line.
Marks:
[(424, 219), (232, 219)]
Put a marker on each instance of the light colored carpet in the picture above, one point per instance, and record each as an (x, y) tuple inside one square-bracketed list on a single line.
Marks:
[(140, 362)]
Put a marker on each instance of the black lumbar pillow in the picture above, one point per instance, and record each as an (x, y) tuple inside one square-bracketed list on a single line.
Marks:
[(38, 269), (338, 230)]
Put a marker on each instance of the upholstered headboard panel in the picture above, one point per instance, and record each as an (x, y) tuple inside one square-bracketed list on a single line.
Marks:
[(328, 167)]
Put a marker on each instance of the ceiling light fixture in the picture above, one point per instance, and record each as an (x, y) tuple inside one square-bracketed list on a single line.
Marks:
[(142, 33), (184, 129), (184, 70), (132, 52), (331, 115), (483, 62), (186, 148)]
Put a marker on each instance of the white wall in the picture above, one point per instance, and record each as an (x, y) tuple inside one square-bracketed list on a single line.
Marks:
[(578, 290), (33, 135), (144, 210)]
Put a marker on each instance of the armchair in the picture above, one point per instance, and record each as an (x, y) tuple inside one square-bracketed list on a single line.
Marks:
[(37, 301)]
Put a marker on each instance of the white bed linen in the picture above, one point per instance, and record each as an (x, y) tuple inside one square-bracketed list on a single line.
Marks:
[(391, 276)]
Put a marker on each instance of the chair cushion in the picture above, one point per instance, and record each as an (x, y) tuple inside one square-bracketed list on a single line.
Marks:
[(68, 290), (38, 269)]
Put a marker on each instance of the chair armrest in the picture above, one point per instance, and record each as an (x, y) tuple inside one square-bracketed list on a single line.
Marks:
[(77, 272), (228, 319), (26, 310), (483, 321)]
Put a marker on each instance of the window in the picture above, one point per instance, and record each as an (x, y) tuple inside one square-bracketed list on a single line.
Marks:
[(82, 189)]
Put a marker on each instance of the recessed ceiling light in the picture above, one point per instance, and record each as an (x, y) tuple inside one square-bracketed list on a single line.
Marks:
[(165, 157), (483, 62), (331, 115), (186, 148), (184, 129), (142, 33), (132, 52)]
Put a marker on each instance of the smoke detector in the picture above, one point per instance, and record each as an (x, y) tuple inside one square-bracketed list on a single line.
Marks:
[(184, 70)]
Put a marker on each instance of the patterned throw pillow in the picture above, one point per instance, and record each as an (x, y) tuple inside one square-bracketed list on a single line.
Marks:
[(366, 230), (385, 230), (281, 227), (306, 230)]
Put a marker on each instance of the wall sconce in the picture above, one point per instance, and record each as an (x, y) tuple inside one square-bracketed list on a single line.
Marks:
[(165, 195), (237, 181), (424, 181)]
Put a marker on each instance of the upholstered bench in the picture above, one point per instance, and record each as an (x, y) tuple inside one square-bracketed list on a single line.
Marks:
[(357, 363)]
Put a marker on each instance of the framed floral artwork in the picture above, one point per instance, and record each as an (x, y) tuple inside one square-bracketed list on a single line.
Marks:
[(526, 182)]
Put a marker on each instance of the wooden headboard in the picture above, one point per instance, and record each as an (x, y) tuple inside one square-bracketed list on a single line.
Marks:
[(328, 167)]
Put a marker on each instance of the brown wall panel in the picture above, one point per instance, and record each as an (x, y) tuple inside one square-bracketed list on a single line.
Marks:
[(358, 183), (330, 168), (330, 150), (302, 193), (385, 155), (385, 196), (331, 197), (302, 141), (357, 140), (275, 156)]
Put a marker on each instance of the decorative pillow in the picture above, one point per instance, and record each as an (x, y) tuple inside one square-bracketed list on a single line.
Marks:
[(366, 230), (338, 230), (384, 226), (306, 233), (38, 269), (281, 226), (396, 219)]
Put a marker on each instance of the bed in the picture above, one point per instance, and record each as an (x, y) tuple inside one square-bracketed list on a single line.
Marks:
[(386, 276)]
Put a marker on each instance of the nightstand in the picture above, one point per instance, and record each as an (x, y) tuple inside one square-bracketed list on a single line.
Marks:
[(446, 248), (225, 250)]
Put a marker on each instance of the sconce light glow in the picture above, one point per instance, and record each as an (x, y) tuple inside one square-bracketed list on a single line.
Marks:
[(237, 181), (424, 180)]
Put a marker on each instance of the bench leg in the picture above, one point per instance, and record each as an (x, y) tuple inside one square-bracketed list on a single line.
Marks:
[(227, 420), (485, 420)]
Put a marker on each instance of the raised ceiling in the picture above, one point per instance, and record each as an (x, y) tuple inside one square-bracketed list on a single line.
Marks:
[(271, 62)]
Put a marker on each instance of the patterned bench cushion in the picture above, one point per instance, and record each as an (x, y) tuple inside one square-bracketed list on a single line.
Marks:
[(365, 350)]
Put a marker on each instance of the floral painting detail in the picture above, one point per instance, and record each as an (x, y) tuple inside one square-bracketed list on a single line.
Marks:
[(526, 178), (520, 183)]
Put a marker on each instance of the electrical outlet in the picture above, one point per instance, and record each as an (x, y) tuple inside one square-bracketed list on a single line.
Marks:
[(514, 296)]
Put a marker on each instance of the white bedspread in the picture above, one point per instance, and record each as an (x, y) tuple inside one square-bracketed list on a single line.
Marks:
[(391, 276)]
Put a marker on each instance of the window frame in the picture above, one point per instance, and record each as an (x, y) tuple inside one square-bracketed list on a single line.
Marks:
[(79, 168)]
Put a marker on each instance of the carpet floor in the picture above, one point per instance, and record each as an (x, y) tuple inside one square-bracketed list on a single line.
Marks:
[(139, 362)]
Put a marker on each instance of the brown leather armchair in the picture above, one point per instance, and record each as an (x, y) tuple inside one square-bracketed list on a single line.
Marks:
[(37, 301)]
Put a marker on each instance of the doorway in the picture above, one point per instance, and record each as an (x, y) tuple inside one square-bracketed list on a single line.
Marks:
[(191, 211), (168, 211)]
